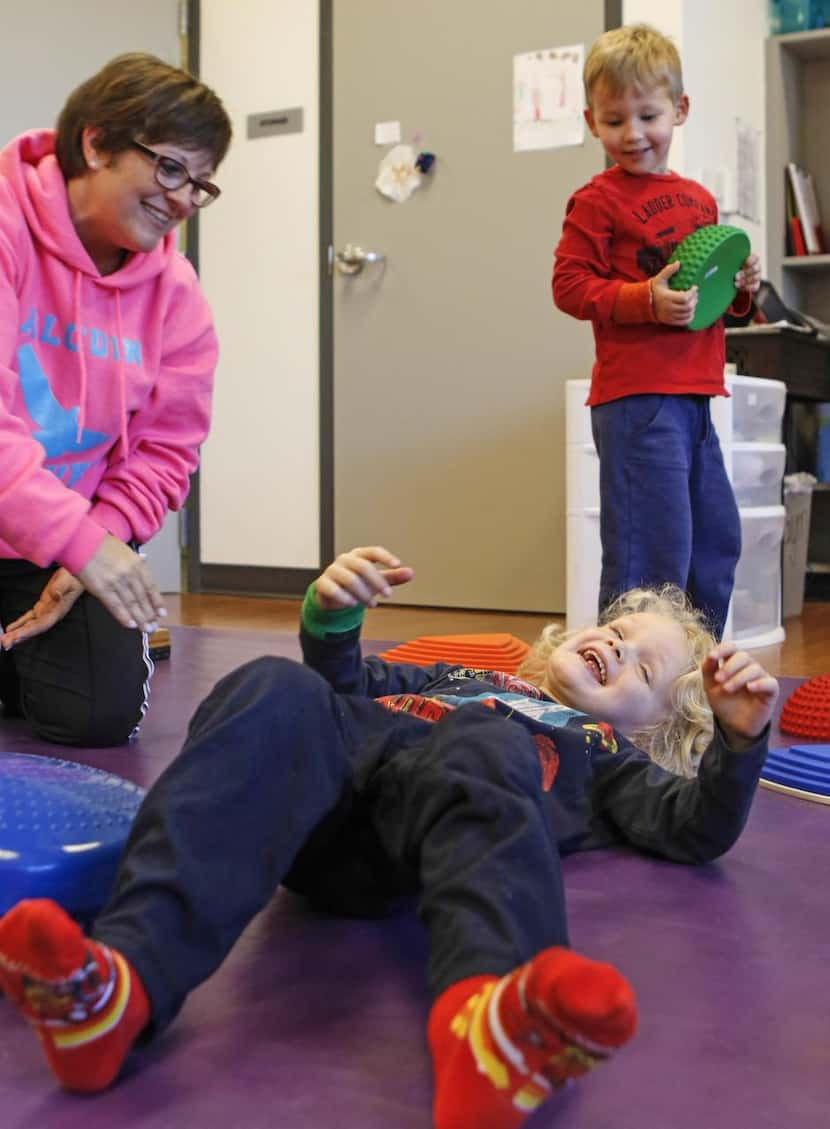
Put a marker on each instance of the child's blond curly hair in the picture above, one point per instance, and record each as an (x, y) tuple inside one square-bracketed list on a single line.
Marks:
[(678, 742), (636, 55)]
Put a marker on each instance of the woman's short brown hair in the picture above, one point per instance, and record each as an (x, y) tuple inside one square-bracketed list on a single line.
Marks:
[(138, 96)]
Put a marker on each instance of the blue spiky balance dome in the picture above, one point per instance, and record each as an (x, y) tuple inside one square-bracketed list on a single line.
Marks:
[(709, 259), (62, 828), (803, 769)]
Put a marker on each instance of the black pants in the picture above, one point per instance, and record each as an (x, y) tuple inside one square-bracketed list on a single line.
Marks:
[(281, 779), (83, 682)]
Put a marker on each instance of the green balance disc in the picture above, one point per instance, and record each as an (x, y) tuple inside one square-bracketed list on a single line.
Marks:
[(709, 259)]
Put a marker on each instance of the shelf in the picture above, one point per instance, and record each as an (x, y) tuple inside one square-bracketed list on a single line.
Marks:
[(806, 262), (807, 45)]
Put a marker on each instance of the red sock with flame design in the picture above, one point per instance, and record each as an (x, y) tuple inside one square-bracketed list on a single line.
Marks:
[(83, 999), (501, 1047)]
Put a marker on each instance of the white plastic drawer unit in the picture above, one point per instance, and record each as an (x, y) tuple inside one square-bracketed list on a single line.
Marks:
[(757, 472), (756, 597)]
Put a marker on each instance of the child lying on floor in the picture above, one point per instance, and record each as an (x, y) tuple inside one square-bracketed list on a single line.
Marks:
[(355, 781)]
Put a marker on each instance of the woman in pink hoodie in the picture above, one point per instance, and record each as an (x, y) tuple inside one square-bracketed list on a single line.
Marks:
[(107, 353)]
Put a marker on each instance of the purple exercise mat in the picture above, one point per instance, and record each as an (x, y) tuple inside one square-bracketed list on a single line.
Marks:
[(318, 1023)]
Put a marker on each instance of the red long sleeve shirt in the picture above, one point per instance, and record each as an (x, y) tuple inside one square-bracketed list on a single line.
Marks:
[(622, 229)]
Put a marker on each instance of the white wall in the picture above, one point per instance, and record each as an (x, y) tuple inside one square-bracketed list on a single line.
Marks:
[(722, 47), (259, 485), (51, 47)]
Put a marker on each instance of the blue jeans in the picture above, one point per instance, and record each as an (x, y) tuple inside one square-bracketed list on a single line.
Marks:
[(667, 510)]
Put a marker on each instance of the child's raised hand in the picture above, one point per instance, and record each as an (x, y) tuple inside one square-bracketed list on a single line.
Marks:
[(749, 276), (672, 307), (360, 576), (741, 693)]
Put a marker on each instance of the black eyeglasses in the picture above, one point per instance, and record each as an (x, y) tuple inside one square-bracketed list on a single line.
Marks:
[(172, 175)]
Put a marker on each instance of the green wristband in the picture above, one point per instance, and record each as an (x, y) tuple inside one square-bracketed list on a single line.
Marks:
[(321, 623)]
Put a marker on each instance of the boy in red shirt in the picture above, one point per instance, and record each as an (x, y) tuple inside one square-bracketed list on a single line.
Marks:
[(668, 513)]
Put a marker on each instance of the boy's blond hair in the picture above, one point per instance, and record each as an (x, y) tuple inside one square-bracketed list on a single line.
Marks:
[(677, 742), (637, 55)]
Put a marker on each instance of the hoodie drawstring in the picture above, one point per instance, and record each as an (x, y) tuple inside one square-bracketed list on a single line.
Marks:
[(81, 359), (122, 375)]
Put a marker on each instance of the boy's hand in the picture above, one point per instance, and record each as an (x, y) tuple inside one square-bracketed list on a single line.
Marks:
[(749, 276), (741, 693), (360, 576), (672, 307)]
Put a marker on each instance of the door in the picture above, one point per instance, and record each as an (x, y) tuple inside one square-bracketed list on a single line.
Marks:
[(449, 357)]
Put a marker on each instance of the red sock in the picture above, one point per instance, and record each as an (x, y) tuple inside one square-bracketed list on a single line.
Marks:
[(83, 999), (501, 1047)]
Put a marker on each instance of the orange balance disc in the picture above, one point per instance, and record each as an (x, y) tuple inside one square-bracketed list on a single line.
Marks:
[(485, 652), (807, 710)]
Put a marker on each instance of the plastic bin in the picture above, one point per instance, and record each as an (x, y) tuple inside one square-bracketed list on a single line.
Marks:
[(584, 565), (756, 597), (757, 472), (798, 500), (582, 476), (757, 409), (786, 16)]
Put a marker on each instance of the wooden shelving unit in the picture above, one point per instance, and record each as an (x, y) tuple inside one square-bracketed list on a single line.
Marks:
[(797, 84), (797, 129)]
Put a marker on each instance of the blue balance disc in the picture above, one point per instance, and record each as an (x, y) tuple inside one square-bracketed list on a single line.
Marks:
[(62, 828), (801, 770)]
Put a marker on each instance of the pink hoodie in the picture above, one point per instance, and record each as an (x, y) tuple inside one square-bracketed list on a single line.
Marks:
[(105, 381)]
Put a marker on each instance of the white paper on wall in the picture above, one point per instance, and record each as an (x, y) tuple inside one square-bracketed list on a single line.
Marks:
[(548, 98)]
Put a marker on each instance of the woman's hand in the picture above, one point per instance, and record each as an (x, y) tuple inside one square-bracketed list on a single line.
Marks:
[(122, 582), (741, 693), (360, 576), (60, 593)]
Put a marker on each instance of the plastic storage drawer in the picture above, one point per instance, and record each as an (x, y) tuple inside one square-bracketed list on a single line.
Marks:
[(756, 597), (757, 473)]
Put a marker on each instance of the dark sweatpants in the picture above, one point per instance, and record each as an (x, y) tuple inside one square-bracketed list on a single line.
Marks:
[(83, 682), (280, 778)]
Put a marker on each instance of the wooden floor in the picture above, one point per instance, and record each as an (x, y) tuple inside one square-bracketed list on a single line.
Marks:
[(804, 653)]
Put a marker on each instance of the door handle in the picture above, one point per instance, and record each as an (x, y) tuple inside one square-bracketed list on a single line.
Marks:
[(352, 259)]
